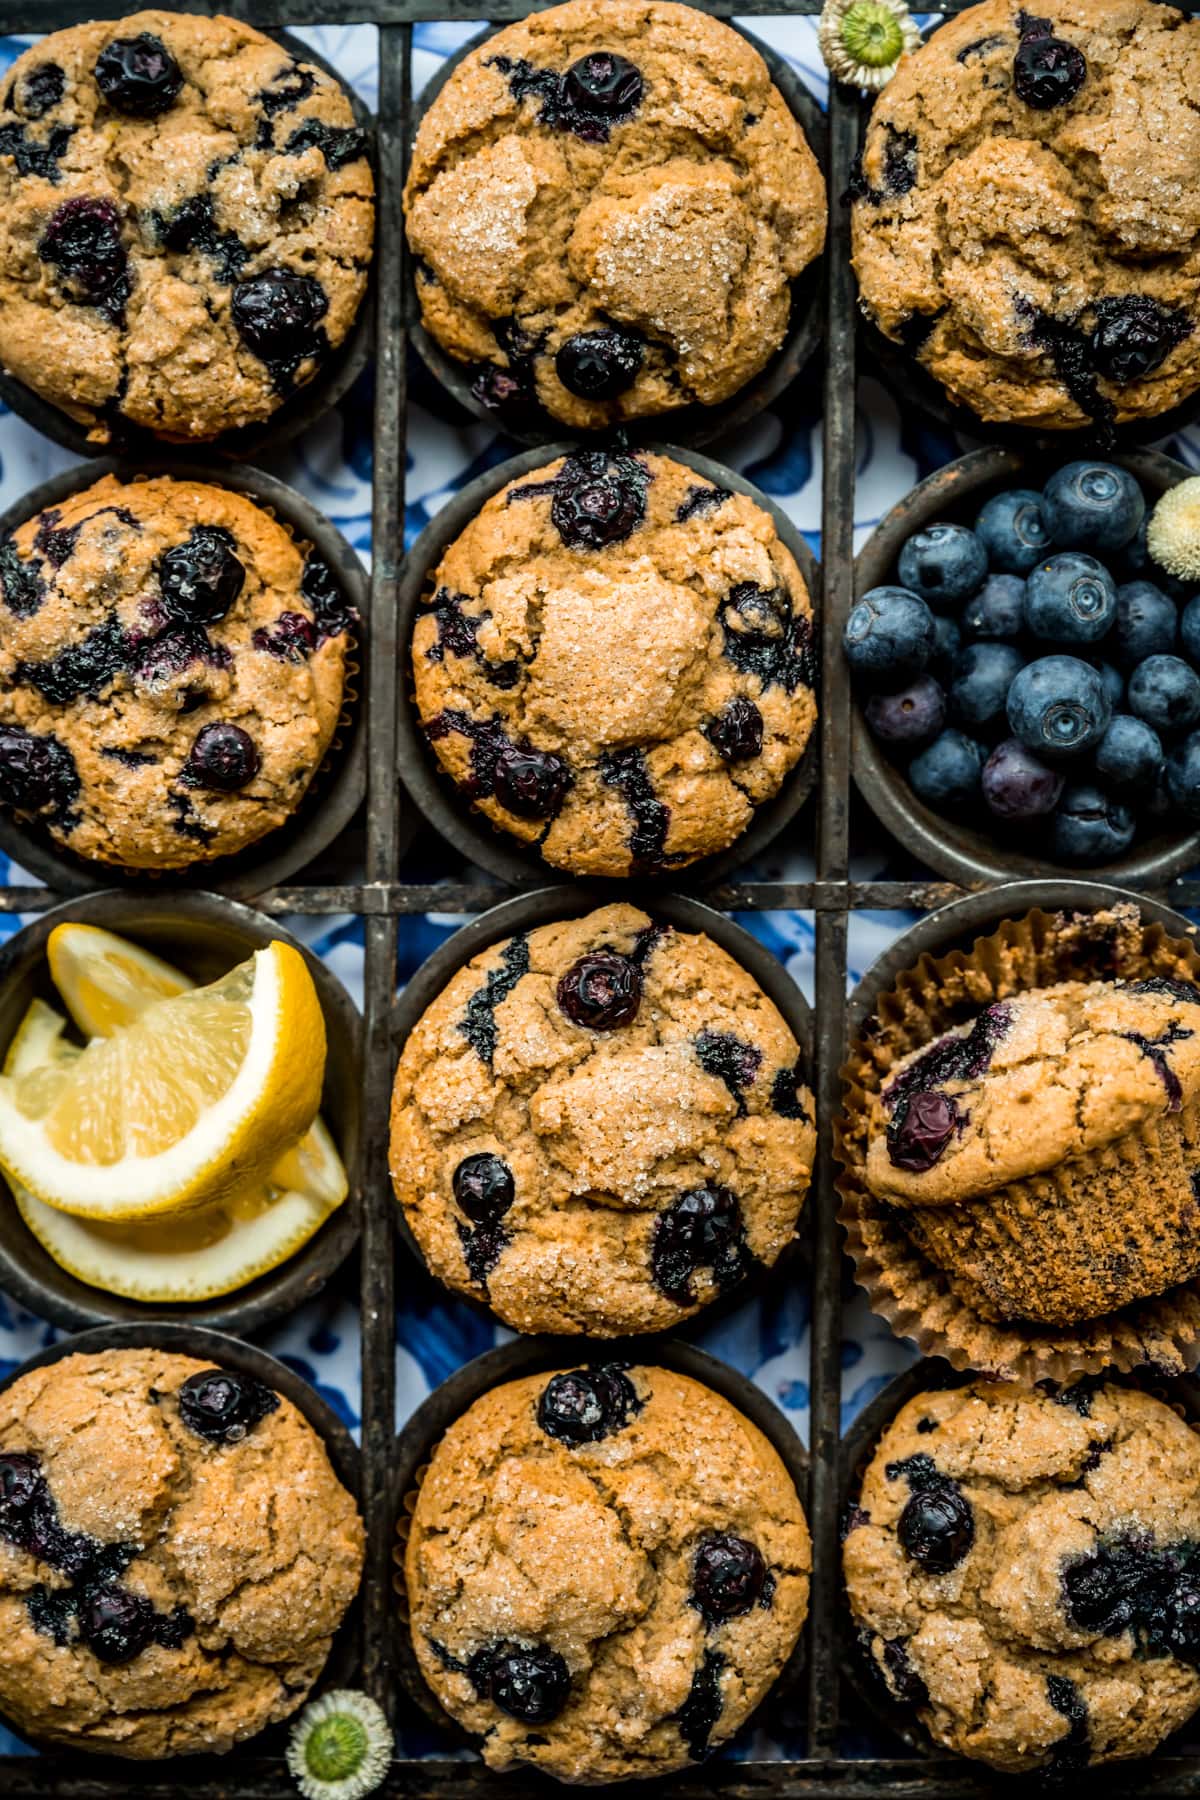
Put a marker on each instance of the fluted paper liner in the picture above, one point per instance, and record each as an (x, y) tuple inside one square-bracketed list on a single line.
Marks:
[(939, 1312)]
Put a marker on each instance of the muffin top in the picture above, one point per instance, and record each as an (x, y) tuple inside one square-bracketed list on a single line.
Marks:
[(615, 662), (1030, 1082), (599, 1125), (607, 1568), (609, 201), (1027, 218), (1024, 1569), (186, 219), (176, 1554), (171, 671)]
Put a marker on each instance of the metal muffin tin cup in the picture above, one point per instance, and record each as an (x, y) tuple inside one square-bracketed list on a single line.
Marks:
[(435, 794), (333, 380), (419, 1438), (339, 786), (525, 912), (953, 847), (205, 935), (694, 424), (215, 1347), (857, 1449)]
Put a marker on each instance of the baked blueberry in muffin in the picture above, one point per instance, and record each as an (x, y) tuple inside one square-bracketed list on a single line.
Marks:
[(172, 665), (186, 218), (609, 202), (615, 663)]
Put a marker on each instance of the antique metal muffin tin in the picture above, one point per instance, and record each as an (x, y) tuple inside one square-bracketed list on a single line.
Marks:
[(385, 895)]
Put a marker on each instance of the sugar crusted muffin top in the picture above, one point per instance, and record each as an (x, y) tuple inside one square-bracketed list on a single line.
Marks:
[(186, 220), (176, 1554), (607, 1569), (1031, 1082), (615, 662), (609, 200), (1027, 218), (172, 665), (1022, 1567), (599, 1125)]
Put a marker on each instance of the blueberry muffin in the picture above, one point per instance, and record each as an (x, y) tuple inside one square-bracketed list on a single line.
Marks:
[(607, 1569), (1047, 1152), (609, 201), (1027, 219), (176, 1554), (186, 218), (614, 662), (1023, 1567), (171, 671), (600, 1125)]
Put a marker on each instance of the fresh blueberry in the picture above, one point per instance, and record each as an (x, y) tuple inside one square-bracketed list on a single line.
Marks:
[(278, 317), (1090, 827), (1133, 562), (599, 365), (943, 564), (201, 578), (223, 1405), (1012, 530), (889, 637), (531, 1685), (581, 1406), (1189, 631), (35, 772), (1165, 692), (1146, 623), (1057, 706), (947, 642), (116, 1625), (1182, 779), (530, 783), (1112, 681), (83, 242), (736, 734), (1070, 599), (1016, 785), (729, 1576), (483, 1187), (603, 82), (910, 718), (1092, 506), (946, 775), (937, 1527), (222, 757), (983, 675), (997, 610), (1130, 754), (601, 991), (138, 76)]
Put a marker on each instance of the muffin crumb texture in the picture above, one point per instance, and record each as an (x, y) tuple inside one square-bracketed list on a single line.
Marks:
[(186, 220), (176, 1554), (607, 1569), (601, 1125), (1022, 1566), (609, 201)]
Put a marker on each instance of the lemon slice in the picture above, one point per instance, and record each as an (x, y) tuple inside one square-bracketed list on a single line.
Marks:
[(195, 1099), (105, 980), (200, 1254)]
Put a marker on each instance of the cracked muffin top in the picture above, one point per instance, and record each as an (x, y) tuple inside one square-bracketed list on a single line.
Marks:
[(1027, 219), (615, 663), (609, 201), (1024, 1569), (176, 1554), (171, 671), (607, 1568), (186, 219), (1030, 1082), (600, 1125)]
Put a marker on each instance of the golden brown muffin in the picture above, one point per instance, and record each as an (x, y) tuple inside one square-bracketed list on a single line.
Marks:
[(609, 201), (615, 663), (607, 1569), (176, 1554), (1028, 219), (1023, 1571), (171, 671), (186, 219), (600, 1125)]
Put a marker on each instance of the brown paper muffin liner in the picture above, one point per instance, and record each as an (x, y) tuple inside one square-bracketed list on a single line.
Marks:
[(954, 1315)]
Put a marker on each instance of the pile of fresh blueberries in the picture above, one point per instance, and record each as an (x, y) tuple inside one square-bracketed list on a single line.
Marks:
[(1038, 670)]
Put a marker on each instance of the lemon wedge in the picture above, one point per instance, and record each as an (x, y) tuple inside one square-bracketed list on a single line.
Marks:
[(105, 980), (193, 1100), (198, 1255)]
